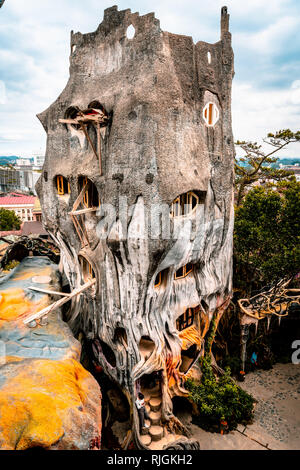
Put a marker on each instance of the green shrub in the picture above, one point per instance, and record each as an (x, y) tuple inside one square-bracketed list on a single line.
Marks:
[(219, 400), (9, 220), (233, 362), (11, 265)]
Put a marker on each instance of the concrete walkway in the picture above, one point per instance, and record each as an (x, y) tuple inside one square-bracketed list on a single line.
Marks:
[(276, 423)]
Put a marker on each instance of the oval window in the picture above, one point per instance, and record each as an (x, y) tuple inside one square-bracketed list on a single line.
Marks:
[(210, 114)]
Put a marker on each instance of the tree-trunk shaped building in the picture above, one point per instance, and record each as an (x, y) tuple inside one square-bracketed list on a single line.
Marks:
[(137, 190)]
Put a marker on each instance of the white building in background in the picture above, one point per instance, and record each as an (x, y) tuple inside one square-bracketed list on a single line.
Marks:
[(22, 205), (294, 168), (23, 162), (39, 158), (29, 174)]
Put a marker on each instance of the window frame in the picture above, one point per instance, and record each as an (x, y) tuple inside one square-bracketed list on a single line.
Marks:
[(61, 181), (86, 268), (186, 319), (185, 272), (180, 204), (160, 279), (87, 196), (211, 114), (60, 185)]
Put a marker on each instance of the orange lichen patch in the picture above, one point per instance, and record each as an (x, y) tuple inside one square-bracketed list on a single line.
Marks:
[(44, 401), (171, 382), (190, 336), (24, 426), (14, 304)]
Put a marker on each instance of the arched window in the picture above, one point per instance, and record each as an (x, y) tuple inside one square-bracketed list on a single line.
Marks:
[(62, 185), (94, 108), (72, 113), (86, 269), (183, 271), (160, 278), (157, 281), (210, 114), (91, 196), (186, 203), (77, 118)]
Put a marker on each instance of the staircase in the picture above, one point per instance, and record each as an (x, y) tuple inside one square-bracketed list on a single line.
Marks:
[(156, 437)]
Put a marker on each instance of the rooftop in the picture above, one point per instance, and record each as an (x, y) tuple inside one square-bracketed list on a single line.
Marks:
[(15, 199), (33, 228)]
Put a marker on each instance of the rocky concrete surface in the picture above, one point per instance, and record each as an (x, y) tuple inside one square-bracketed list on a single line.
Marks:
[(47, 399)]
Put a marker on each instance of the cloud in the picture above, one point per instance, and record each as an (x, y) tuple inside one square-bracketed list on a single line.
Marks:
[(34, 58), (2, 92), (257, 112), (272, 38)]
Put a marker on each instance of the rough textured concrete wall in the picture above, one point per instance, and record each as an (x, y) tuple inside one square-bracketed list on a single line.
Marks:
[(47, 399), (156, 147)]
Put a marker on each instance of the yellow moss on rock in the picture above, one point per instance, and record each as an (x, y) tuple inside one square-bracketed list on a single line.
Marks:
[(47, 399), (14, 304), (44, 401)]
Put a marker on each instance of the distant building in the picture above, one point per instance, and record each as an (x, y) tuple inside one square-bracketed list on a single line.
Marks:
[(39, 159), (29, 174), (9, 179), (23, 162), (294, 168), (22, 205)]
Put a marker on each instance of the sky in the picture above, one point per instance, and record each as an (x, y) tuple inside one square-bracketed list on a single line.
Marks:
[(34, 59)]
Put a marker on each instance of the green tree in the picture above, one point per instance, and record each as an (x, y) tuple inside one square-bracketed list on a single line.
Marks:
[(267, 236), (9, 220), (219, 400), (256, 164)]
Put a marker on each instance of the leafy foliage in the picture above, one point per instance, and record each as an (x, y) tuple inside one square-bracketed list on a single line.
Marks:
[(219, 400), (256, 163), (267, 236), (11, 265), (9, 220)]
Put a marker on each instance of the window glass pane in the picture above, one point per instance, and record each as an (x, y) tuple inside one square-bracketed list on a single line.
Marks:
[(210, 114), (188, 268), (177, 207), (194, 201), (157, 281), (179, 273)]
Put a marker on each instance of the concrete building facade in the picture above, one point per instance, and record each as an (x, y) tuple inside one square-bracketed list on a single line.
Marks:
[(137, 190)]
